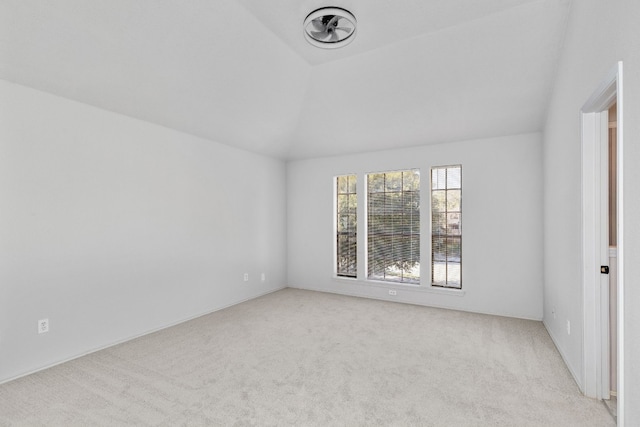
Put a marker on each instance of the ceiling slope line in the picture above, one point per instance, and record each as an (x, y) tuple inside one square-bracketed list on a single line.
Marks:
[(438, 31), (559, 55)]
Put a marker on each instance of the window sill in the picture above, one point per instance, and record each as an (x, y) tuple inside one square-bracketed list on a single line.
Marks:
[(401, 286)]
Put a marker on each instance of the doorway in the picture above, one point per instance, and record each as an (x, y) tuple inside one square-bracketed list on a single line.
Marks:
[(603, 361)]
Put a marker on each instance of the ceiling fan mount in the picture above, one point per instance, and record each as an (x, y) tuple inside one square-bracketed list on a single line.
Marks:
[(330, 27)]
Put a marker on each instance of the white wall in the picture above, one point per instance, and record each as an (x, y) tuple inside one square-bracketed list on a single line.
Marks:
[(501, 224), (111, 227), (599, 34)]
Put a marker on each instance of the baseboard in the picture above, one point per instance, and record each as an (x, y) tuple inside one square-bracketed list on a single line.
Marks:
[(133, 337), (407, 301), (576, 378)]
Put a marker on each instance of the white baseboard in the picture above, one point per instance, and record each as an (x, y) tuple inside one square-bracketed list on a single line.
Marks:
[(409, 301), (576, 377), (151, 331)]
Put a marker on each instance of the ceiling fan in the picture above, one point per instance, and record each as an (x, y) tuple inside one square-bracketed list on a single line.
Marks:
[(330, 27)]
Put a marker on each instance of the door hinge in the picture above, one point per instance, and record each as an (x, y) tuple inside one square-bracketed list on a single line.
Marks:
[(604, 269)]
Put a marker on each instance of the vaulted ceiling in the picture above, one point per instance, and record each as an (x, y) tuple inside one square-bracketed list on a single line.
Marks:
[(241, 73)]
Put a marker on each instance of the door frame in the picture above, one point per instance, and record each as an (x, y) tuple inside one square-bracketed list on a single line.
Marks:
[(595, 356)]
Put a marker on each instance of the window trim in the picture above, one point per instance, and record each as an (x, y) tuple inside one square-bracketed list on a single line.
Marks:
[(400, 286), (432, 235), (336, 193), (361, 282), (419, 192)]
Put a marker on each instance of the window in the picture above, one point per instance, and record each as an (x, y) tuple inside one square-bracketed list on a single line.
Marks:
[(347, 223), (446, 232), (393, 226)]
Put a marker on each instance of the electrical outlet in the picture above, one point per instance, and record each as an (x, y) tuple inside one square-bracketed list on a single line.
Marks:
[(568, 327), (43, 326), (263, 277), (393, 292), (246, 277)]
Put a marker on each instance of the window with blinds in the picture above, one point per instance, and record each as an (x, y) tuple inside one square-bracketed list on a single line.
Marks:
[(446, 231), (393, 226), (346, 229)]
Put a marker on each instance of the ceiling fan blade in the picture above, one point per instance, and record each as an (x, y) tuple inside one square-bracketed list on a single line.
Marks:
[(317, 24), (334, 37), (346, 29), (333, 21), (320, 34)]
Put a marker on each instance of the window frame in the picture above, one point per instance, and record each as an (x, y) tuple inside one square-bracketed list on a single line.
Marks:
[(416, 193), (349, 274), (456, 286), (361, 278)]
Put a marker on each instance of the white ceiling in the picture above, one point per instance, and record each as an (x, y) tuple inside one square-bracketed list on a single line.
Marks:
[(240, 72)]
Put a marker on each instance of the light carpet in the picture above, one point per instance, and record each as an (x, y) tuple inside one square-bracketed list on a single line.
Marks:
[(306, 358)]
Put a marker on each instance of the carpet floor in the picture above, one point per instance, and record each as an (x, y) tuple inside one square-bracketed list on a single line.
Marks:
[(306, 358)]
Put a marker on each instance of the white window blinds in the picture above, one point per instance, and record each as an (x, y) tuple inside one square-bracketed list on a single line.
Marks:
[(393, 226)]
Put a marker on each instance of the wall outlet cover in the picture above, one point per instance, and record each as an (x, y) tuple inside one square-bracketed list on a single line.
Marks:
[(43, 326)]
